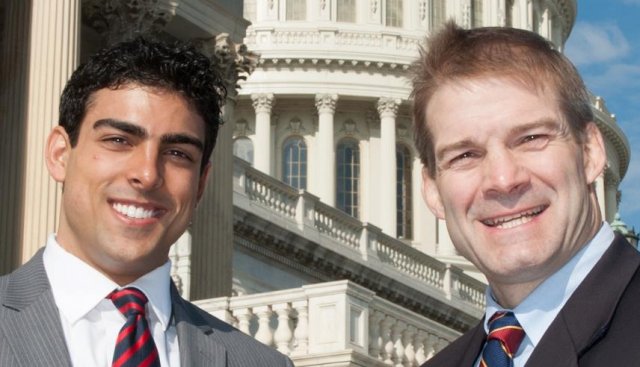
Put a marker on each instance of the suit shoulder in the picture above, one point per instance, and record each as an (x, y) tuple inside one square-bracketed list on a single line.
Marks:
[(239, 345)]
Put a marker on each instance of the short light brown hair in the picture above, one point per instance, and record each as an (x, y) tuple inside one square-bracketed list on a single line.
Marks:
[(455, 53)]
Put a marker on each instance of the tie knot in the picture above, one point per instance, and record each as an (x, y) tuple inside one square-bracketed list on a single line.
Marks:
[(504, 327), (129, 301)]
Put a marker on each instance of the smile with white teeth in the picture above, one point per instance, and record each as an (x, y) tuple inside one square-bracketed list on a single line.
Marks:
[(513, 220), (133, 211)]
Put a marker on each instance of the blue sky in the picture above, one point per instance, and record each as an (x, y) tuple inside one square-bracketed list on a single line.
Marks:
[(605, 46)]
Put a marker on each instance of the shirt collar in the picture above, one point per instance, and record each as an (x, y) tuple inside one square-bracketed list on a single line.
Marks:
[(538, 310), (78, 288)]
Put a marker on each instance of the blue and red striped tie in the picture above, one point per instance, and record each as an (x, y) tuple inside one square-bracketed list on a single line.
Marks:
[(505, 336), (134, 346)]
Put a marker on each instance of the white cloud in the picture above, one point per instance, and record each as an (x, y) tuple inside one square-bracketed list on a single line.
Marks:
[(617, 79), (596, 42), (631, 2)]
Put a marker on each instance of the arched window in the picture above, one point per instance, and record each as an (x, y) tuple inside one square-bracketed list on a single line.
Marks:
[(243, 148), (393, 17), (294, 162), (348, 176), (404, 228)]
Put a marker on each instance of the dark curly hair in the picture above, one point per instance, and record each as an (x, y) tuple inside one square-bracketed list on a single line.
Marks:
[(178, 68)]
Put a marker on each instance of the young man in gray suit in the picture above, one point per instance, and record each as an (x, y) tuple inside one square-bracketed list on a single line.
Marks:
[(511, 155), (138, 123)]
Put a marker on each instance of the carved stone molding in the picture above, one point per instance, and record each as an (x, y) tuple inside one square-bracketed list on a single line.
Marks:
[(242, 128), (349, 128), (326, 103), (296, 126), (121, 20), (388, 107), (234, 61), (263, 102)]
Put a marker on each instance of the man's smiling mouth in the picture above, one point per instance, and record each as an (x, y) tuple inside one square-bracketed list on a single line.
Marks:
[(514, 220), (134, 212)]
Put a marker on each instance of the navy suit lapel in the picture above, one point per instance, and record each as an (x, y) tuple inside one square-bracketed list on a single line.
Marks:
[(195, 337), (33, 328), (586, 316)]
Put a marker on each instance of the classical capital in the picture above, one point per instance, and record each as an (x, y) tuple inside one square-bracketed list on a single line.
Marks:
[(326, 103), (388, 107), (263, 102), (121, 20)]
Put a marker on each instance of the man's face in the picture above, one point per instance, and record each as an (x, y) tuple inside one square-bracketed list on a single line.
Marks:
[(511, 181), (132, 181)]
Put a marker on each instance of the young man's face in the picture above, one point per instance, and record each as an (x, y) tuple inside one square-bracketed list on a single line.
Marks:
[(132, 181), (511, 181)]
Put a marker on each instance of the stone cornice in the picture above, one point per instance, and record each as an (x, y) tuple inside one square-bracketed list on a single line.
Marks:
[(568, 11), (611, 131)]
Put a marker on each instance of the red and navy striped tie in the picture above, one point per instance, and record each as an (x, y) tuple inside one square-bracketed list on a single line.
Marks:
[(134, 346), (505, 336)]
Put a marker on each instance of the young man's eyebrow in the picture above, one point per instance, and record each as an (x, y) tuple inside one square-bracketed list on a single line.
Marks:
[(182, 139), (141, 132), (123, 126)]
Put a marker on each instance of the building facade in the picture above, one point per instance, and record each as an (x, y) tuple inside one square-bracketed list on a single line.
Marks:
[(312, 235)]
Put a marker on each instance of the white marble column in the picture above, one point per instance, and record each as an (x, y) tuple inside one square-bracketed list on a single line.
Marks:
[(55, 35), (14, 79), (388, 109), (263, 104), (326, 188)]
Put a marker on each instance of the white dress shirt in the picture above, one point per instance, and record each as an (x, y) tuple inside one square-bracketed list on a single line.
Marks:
[(91, 322), (536, 312)]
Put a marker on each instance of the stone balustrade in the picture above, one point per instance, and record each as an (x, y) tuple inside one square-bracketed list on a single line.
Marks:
[(348, 43), (326, 320), (306, 215)]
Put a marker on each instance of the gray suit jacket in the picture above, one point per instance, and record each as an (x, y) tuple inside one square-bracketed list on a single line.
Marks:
[(598, 326), (31, 332)]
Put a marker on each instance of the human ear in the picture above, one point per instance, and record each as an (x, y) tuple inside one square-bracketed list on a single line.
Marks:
[(594, 153), (56, 153), (431, 194)]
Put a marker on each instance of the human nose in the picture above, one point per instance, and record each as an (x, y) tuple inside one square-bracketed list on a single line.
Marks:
[(504, 174), (145, 171)]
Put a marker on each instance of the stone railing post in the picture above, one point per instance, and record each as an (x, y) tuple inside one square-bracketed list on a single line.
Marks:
[(368, 241), (375, 341), (304, 210), (419, 341), (398, 348), (387, 341), (301, 333), (243, 315), (283, 334), (264, 333), (409, 346)]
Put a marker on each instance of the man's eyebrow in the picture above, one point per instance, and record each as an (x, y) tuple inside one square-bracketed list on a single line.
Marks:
[(182, 139), (455, 146), (123, 126), (547, 123)]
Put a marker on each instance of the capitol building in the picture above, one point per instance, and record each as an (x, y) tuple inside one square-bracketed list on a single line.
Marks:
[(312, 235)]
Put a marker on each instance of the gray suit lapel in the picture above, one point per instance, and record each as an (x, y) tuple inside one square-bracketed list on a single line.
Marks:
[(195, 337), (586, 316), (32, 323)]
